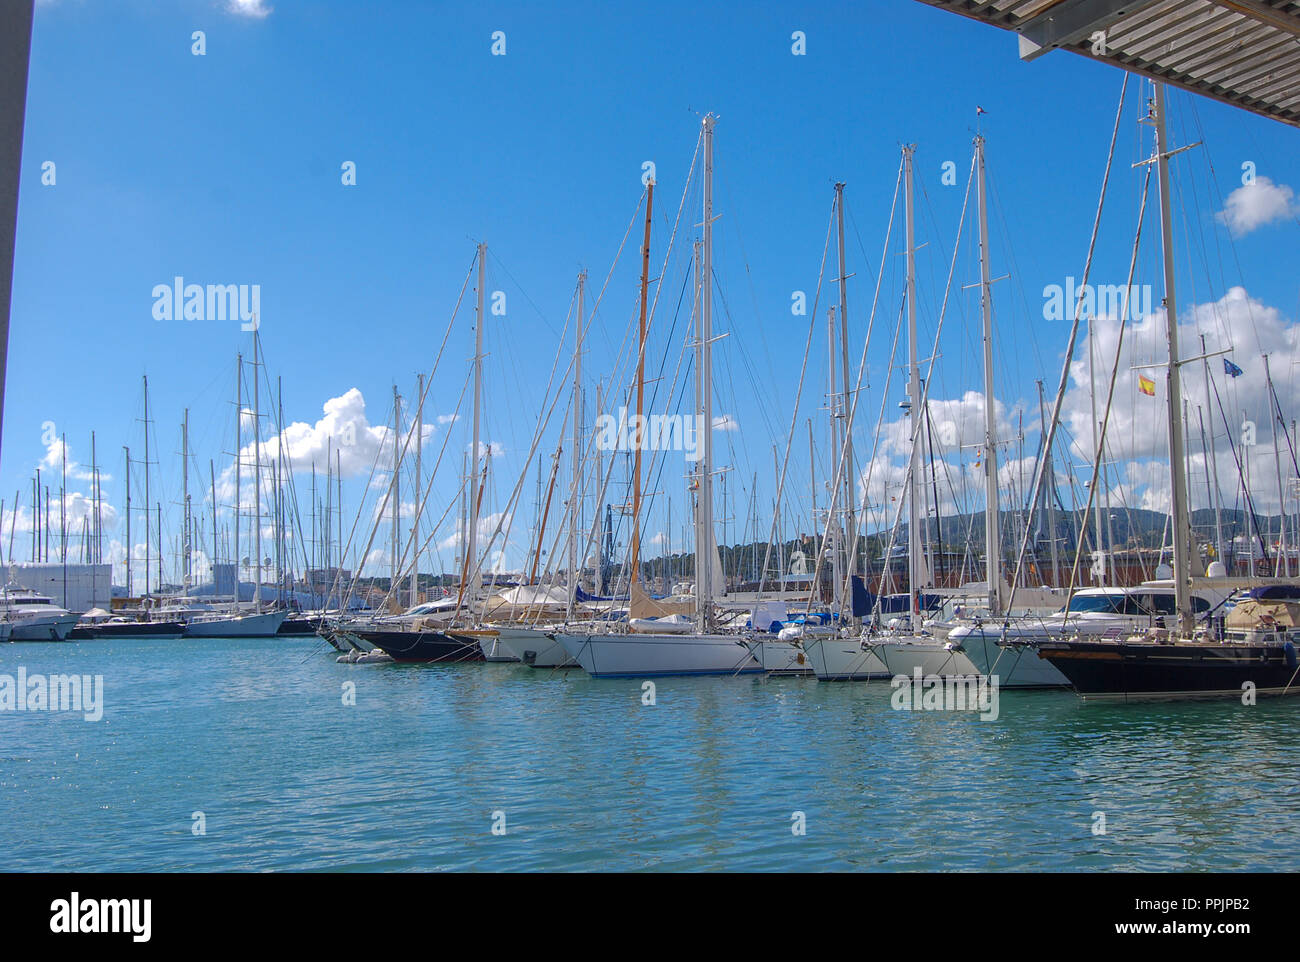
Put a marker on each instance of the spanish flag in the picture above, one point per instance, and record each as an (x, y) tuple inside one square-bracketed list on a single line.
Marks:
[(1146, 386)]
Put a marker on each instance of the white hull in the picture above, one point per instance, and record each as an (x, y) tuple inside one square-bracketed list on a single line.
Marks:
[(42, 628), (535, 648), (642, 655), (1016, 667), (489, 642), (843, 659), (780, 657), (928, 655), (494, 650), (243, 626)]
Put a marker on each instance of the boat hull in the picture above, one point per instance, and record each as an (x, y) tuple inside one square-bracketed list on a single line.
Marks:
[(142, 629), (1016, 665), (422, 647), (243, 626), (927, 656), (299, 626), (780, 657), (535, 648), (489, 643), (1145, 671), (843, 659), (52, 628), (635, 655)]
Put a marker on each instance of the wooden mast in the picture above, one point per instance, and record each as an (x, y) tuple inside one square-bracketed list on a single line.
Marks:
[(640, 389)]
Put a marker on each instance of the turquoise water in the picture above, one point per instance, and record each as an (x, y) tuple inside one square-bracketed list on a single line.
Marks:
[(255, 735)]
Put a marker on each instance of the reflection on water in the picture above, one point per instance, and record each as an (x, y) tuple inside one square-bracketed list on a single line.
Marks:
[(255, 735)]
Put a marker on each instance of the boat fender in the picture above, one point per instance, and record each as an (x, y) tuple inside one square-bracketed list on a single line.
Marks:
[(1291, 660)]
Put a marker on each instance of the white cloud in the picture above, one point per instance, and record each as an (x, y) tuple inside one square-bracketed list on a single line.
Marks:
[(725, 422), (52, 463), (1255, 205), (1137, 435), (487, 525), (253, 9)]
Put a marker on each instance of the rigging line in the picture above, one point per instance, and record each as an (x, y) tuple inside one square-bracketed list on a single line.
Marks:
[(794, 418), (512, 501), (1010, 250), (361, 507), (668, 250), (1099, 459), (1039, 472), (917, 418), (423, 497), (537, 310), (745, 360), (657, 463), (1250, 502), (1232, 246), (857, 387), (591, 316)]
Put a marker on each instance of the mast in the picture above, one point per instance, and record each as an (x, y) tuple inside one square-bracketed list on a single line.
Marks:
[(1281, 492), (462, 520), (915, 561), (146, 484), (128, 520), (472, 533), (396, 489), (837, 574), (419, 493), (575, 481), (338, 507), (97, 552), (63, 517), (239, 460), (850, 526), (600, 490), (1049, 492), (257, 477), (635, 576), (704, 382), (279, 491), (212, 479), (185, 501), (1214, 464), (1178, 505), (992, 522)]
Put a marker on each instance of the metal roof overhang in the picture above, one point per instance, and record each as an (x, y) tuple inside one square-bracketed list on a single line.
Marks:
[(1241, 52)]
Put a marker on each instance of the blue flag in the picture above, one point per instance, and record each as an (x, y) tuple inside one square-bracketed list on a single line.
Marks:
[(1231, 369)]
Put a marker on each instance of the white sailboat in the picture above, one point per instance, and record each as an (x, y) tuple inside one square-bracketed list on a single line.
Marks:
[(839, 658), (943, 656), (649, 652), (204, 621)]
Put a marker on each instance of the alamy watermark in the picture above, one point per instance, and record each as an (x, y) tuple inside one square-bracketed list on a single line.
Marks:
[(921, 692), (53, 693), (655, 432), (179, 301), (1117, 301)]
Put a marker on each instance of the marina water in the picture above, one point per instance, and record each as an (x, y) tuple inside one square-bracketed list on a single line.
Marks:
[(243, 756)]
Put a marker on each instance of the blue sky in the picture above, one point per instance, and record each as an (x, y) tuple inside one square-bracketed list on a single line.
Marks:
[(226, 169)]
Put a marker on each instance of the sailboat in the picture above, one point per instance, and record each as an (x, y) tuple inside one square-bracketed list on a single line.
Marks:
[(200, 620), (413, 637), (1252, 649), (647, 649), (846, 657)]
